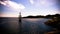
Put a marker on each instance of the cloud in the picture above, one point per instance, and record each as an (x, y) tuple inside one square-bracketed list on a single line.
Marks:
[(12, 4), (3, 3), (44, 3), (47, 2), (32, 1), (15, 5)]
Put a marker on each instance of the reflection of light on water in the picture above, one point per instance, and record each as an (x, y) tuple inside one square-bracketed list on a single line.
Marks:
[(32, 19), (35, 25), (28, 25)]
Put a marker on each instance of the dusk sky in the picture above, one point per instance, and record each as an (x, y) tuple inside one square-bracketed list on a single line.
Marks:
[(11, 8)]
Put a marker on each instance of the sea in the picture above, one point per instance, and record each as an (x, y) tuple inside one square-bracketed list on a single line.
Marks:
[(12, 25)]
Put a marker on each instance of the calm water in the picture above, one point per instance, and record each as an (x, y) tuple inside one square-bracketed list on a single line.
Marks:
[(35, 26), (29, 25)]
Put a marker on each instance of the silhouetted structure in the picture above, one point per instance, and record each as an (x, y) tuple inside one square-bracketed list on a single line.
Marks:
[(20, 23), (20, 17)]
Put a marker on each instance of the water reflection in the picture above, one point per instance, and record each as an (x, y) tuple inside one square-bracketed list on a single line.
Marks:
[(34, 26), (29, 26)]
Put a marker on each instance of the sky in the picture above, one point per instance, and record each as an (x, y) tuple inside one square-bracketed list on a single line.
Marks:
[(12, 8)]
